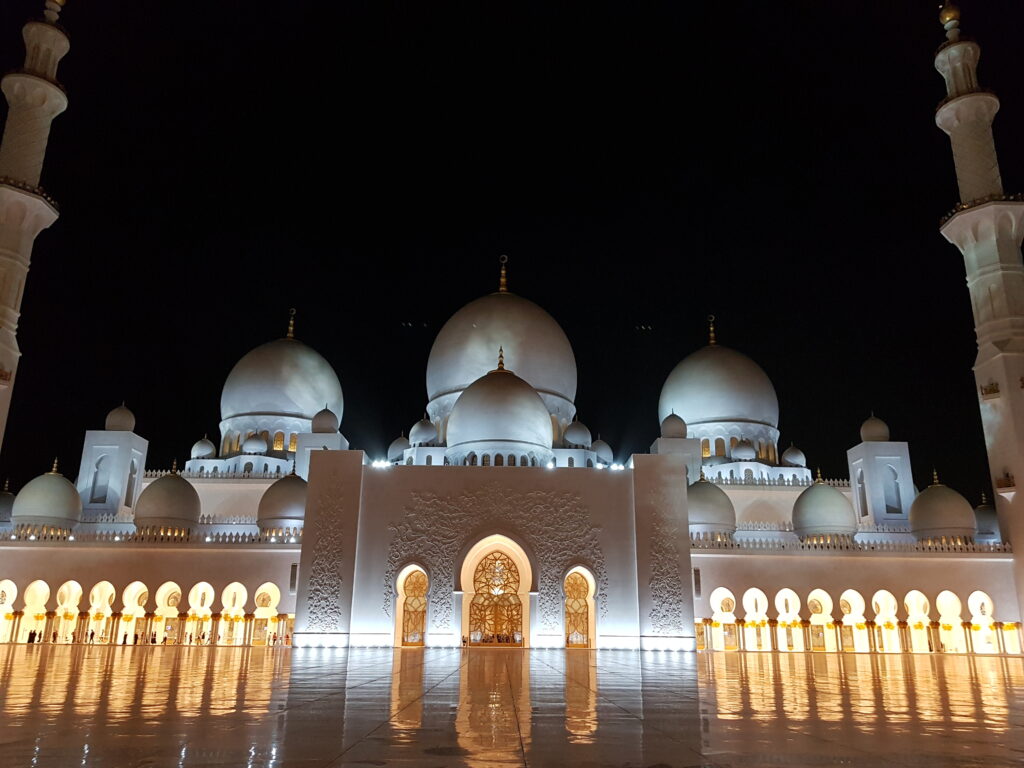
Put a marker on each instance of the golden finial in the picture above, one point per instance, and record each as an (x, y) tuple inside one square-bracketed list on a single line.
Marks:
[(293, 467), (948, 12), (702, 475), (935, 477), (711, 331), (7, 488), (503, 279), (53, 469), (174, 466), (818, 478), (501, 359), (291, 323), (984, 498)]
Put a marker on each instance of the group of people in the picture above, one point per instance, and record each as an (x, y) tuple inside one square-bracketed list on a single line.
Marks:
[(36, 636), (496, 639)]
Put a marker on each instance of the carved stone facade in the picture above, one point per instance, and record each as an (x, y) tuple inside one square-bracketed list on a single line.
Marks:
[(668, 590), (555, 526), (325, 579)]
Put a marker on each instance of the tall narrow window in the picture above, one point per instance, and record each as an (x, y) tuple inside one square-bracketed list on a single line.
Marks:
[(414, 610), (100, 480), (496, 612), (293, 442), (577, 612), (893, 500), (133, 476), (279, 441)]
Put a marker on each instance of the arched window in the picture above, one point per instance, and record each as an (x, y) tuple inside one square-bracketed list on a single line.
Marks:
[(572, 462), (862, 495), (485, 460), (496, 613), (430, 460), (577, 612), (748, 475), (100, 479), (719, 446), (590, 463), (279, 441), (248, 467), (893, 499), (225, 447), (511, 460), (414, 610), (523, 461), (732, 444), (499, 460), (133, 479), (472, 459), (293, 442), (705, 448), (408, 462)]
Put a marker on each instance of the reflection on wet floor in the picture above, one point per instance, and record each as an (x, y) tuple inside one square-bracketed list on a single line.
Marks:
[(168, 706)]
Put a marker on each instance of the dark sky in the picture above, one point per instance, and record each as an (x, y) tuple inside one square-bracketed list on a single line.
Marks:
[(642, 164)]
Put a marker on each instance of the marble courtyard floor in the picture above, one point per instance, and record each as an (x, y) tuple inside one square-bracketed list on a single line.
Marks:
[(127, 706)]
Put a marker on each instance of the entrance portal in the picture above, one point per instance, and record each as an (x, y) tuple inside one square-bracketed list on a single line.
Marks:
[(496, 612)]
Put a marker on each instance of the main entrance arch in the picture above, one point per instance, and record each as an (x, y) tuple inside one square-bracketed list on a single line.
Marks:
[(496, 578)]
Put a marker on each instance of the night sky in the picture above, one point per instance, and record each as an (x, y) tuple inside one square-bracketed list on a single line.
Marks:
[(642, 165)]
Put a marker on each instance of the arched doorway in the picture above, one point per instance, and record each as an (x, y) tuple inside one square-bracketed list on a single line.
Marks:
[(580, 617), (166, 623), (411, 607), (268, 595), (496, 578), (232, 616), (66, 621), (8, 592)]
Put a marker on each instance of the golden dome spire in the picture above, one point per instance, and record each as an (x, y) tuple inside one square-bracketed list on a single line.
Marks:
[(712, 341), (503, 278), (818, 478), (53, 469), (174, 466), (935, 477), (984, 498), (291, 323), (949, 12), (501, 359)]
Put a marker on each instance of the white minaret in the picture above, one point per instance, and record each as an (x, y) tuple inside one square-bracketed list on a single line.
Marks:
[(34, 98), (987, 226)]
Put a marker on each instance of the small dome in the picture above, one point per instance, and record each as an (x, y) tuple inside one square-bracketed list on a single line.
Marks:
[(717, 384), (940, 511), (794, 457), (397, 448), (499, 408), (744, 451), (6, 504), (603, 451), (204, 449), (49, 499), (325, 422), (283, 504), (120, 420), (254, 444), (577, 434), (710, 509), (168, 502), (673, 426), (822, 510), (986, 522), (423, 432), (874, 430)]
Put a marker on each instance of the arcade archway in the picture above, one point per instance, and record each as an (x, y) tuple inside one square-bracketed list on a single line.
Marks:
[(496, 577)]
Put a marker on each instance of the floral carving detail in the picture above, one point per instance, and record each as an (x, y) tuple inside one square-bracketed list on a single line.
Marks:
[(555, 525), (667, 588), (324, 588)]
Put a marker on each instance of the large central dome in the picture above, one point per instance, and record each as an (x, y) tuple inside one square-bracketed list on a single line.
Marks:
[(281, 378), (536, 348), (718, 384)]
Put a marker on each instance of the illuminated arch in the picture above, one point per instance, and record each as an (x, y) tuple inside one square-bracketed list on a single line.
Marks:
[(756, 632), (166, 623), (917, 607), (502, 562), (8, 594), (822, 629), (887, 633), (412, 587), (951, 631), (853, 632), (983, 629), (724, 635), (101, 608), (231, 630), (789, 630), (580, 589), (134, 599)]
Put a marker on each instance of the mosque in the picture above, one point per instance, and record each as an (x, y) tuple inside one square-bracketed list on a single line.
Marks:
[(500, 520)]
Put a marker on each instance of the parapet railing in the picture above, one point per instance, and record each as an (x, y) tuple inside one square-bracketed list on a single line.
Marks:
[(154, 536), (767, 482), (841, 544), (152, 474)]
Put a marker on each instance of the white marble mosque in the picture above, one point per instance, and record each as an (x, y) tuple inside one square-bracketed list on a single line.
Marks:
[(500, 520)]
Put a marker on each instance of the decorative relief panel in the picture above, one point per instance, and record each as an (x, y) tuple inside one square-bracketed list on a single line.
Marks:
[(555, 525), (324, 587), (668, 591)]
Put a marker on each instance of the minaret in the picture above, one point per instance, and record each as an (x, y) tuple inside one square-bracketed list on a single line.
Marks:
[(987, 226), (34, 98)]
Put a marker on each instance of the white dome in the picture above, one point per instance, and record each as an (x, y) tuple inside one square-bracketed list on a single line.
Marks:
[(204, 449), (397, 448), (169, 502), (281, 378), (6, 504), (794, 457), (874, 430), (822, 510), (578, 434), (423, 432), (499, 408), (940, 511), (603, 451), (283, 504), (120, 420), (254, 444), (710, 509), (49, 499), (744, 451), (536, 348), (673, 426), (717, 384), (325, 421)]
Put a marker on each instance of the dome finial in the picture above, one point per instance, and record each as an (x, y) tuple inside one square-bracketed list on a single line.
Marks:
[(503, 278), (949, 18), (818, 479), (712, 341), (53, 469), (984, 497), (291, 323), (7, 489), (501, 359), (704, 479), (174, 466), (935, 477)]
